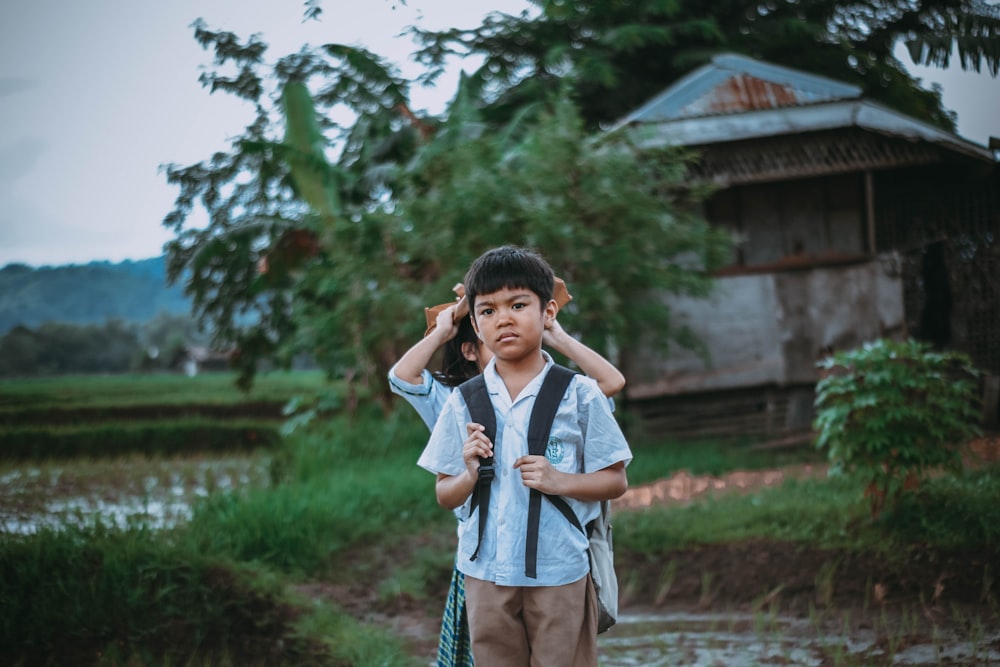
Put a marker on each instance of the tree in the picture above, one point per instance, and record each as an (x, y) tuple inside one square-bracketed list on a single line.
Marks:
[(618, 55), (56, 348), (242, 269), (391, 223)]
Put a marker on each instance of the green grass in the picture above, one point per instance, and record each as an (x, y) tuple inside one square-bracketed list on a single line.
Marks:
[(125, 437), (657, 460), (99, 596), (220, 589), (946, 513), (90, 391), (825, 513), (345, 493)]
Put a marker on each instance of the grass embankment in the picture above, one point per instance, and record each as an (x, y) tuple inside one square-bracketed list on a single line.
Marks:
[(153, 415), (222, 588), (351, 519)]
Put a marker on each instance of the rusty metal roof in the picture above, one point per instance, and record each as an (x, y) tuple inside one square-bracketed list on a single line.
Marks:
[(736, 98), (733, 83)]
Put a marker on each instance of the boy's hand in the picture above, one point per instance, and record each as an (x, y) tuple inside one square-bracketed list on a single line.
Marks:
[(537, 473), (476, 446)]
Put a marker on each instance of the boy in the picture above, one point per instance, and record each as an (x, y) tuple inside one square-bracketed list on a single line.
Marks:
[(521, 613)]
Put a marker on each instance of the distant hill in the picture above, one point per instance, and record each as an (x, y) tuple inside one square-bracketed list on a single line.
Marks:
[(133, 291)]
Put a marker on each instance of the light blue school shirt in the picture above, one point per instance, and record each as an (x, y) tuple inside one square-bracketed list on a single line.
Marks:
[(427, 398), (585, 438)]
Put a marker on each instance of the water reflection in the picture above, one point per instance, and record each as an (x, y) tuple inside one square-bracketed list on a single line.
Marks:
[(156, 493), (762, 640)]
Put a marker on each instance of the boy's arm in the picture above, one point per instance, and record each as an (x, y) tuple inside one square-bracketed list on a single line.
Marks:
[(609, 379), (452, 490), (604, 484), (411, 365)]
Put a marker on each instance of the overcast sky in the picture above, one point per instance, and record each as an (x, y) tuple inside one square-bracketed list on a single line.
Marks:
[(95, 96)]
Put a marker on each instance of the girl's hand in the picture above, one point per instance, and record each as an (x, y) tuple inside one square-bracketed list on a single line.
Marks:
[(445, 325)]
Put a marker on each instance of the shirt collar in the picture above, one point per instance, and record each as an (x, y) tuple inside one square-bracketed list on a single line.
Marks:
[(494, 383)]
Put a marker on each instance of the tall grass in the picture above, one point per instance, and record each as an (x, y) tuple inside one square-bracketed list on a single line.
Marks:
[(345, 481), (99, 596)]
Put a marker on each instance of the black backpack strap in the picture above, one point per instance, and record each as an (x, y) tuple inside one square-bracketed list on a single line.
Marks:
[(542, 415), (477, 398)]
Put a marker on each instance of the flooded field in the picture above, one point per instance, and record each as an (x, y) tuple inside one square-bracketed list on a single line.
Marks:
[(156, 493), (763, 640)]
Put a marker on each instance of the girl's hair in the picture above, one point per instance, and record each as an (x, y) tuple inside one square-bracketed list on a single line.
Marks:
[(509, 267), (455, 368)]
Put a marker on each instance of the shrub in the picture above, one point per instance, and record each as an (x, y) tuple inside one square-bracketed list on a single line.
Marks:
[(891, 411)]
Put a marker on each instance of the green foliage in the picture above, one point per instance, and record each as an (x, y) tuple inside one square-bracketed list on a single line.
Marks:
[(406, 189), (59, 349), (954, 512), (74, 595), (890, 411), (617, 56)]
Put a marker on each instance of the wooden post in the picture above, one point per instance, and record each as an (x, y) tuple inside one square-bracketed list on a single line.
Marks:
[(870, 211)]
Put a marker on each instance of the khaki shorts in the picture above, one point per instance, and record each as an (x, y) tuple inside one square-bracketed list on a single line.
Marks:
[(532, 626)]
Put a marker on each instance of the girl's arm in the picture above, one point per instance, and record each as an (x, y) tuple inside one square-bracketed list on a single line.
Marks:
[(411, 365), (609, 378)]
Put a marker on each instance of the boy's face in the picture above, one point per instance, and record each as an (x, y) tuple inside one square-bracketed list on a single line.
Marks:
[(510, 322)]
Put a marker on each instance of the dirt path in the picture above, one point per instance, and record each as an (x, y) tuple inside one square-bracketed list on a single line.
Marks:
[(682, 487)]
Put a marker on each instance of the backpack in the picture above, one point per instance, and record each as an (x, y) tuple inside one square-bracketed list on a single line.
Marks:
[(598, 531)]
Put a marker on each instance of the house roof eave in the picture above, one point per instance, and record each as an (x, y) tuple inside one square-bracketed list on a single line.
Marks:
[(798, 120)]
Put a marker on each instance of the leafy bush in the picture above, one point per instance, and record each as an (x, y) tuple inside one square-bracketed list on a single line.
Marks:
[(891, 411), (955, 512)]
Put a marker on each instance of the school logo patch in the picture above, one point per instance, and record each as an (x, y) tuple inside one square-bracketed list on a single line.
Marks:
[(555, 451)]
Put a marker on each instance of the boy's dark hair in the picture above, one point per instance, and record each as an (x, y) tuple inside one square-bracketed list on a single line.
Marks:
[(509, 267), (455, 368)]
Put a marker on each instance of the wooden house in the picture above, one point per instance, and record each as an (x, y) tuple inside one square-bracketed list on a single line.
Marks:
[(854, 221)]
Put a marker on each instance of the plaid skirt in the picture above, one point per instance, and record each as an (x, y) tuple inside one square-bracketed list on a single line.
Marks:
[(454, 647)]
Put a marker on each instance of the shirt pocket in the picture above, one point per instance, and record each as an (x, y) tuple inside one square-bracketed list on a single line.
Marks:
[(563, 451)]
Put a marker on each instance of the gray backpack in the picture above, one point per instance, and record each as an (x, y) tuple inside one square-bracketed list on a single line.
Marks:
[(601, 550)]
